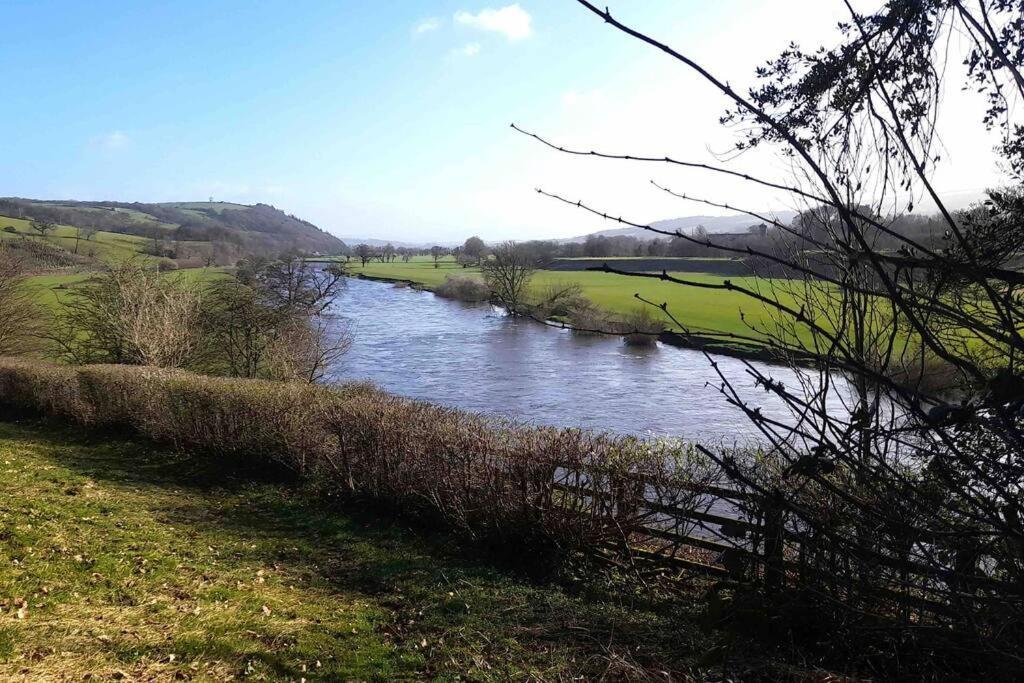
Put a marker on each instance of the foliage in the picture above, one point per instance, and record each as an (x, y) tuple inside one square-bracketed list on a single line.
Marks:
[(516, 489)]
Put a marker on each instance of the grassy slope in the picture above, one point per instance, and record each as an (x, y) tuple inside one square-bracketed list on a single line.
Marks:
[(50, 288), (105, 246), (125, 561), (696, 308)]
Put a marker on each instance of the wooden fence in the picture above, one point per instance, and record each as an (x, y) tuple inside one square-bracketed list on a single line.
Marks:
[(745, 537)]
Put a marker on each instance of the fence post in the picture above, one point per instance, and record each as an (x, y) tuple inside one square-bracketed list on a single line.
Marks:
[(774, 569)]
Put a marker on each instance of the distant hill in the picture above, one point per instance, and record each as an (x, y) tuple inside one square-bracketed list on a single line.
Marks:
[(259, 228), (374, 242), (713, 224)]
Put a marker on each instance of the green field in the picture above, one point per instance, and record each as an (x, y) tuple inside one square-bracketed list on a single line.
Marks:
[(698, 309), (48, 289), (104, 246), (125, 561)]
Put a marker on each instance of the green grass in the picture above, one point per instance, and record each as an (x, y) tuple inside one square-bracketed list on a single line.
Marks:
[(105, 246), (50, 288), (698, 309), (122, 560)]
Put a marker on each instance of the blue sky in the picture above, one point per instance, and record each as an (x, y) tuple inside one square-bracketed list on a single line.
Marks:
[(375, 119)]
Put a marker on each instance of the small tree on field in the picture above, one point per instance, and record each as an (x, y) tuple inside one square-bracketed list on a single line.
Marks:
[(364, 252), (474, 249), (437, 253), (42, 226), (508, 273)]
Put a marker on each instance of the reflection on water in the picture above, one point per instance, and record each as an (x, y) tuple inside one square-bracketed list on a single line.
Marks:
[(474, 357)]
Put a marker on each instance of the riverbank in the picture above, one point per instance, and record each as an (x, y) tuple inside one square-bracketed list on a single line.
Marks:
[(695, 341)]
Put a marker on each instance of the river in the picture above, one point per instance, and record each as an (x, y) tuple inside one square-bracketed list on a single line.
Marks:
[(415, 344)]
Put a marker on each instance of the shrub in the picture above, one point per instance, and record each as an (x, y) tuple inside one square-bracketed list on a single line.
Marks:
[(640, 328), (588, 319), (130, 314), (552, 492), (463, 289)]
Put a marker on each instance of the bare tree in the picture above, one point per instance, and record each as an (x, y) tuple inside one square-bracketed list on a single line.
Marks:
[(43, 226), (271, 321), (508, 273), (21, 320), (364, 252), (904, 499), (131, 315)]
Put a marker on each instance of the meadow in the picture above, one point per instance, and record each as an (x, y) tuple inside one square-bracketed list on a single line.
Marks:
[(104, 246)]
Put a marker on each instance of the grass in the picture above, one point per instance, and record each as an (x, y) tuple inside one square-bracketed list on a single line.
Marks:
[(698, 309), (50, 288), (105, 246), (121, 560)]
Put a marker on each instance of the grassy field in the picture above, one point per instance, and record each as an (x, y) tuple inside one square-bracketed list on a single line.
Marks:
[(50, 288), (105, 246), (124, 561), (696, 308)]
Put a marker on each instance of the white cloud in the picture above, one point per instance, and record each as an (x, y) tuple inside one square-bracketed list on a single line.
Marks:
[(467, 50), (426, 25), (512, 21), (113, 140)]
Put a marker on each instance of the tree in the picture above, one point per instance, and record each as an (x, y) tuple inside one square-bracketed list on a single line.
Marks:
[(80, 232), (508, 273), (272, 321), (21, 321), (131, 315), (437, 253), (42, 226), (364, 252), (905, 479), (474, 249)]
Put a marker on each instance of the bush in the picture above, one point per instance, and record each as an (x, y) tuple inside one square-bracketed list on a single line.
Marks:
[(587, 318), (537, 492), (463, 289), (640, 328)]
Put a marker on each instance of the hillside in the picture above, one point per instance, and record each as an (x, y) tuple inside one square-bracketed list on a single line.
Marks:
[(223, 227), (713, 224)]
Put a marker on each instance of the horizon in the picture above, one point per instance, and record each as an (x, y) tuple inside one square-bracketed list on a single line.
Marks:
[(393, 122)]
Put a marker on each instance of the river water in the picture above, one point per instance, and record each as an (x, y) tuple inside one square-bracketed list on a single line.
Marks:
[(474, 357)]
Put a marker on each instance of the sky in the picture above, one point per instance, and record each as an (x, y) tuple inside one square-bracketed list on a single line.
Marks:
[(391, 120)]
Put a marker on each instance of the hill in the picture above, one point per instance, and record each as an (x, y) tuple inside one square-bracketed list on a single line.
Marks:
[(223, 226), (713, 224)]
